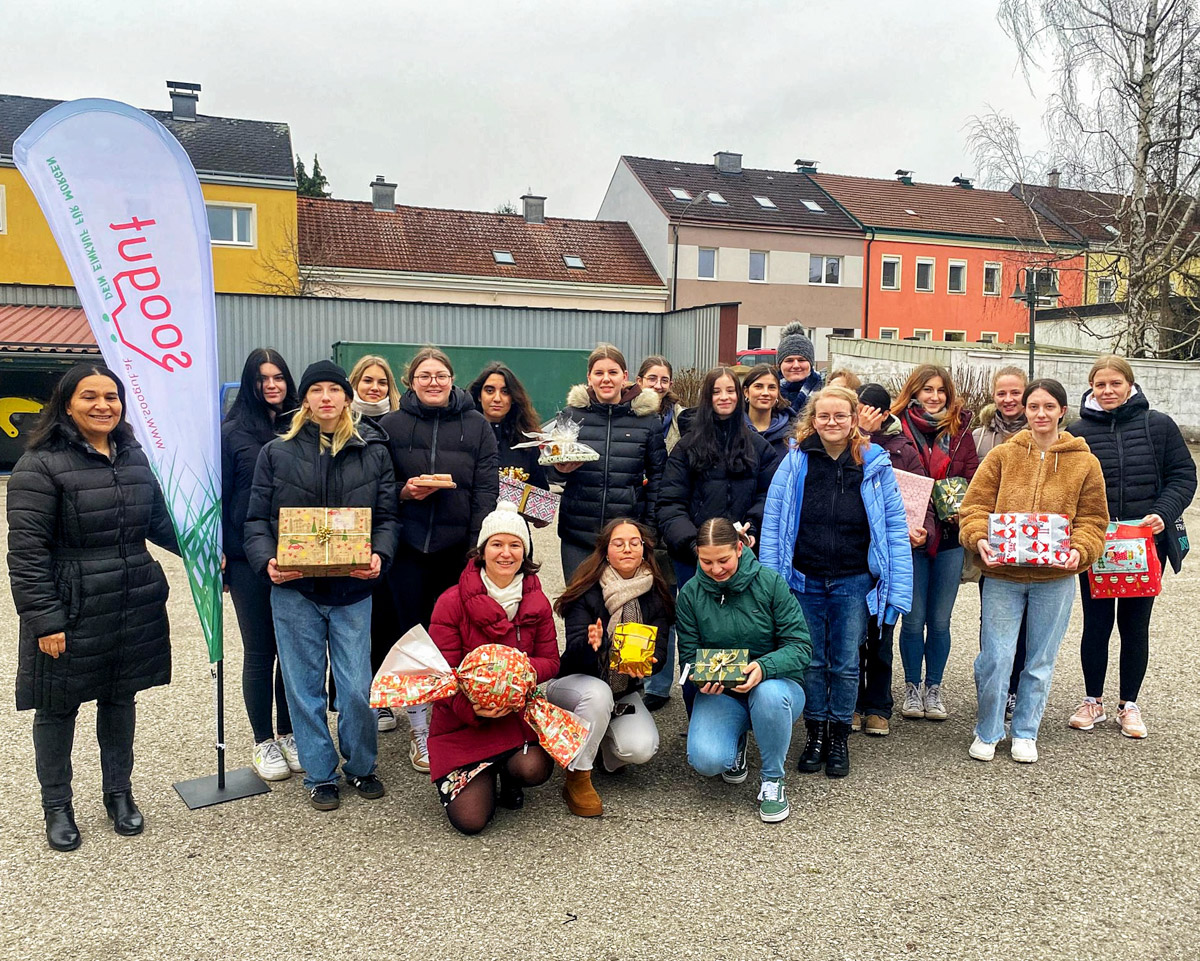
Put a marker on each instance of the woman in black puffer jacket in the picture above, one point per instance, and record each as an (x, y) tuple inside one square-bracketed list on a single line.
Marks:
[(1150, 477), (621, 423), (91, 600)]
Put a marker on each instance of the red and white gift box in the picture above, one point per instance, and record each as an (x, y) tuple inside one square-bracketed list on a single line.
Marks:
[(1129, 566), (1030, 540)]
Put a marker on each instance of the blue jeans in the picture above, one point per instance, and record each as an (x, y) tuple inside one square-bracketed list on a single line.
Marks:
[(304, 632), (836, 611), (1045, 606), (661, 682), (925, 630), (718, 722)]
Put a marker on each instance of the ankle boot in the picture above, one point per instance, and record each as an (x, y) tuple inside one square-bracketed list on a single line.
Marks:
[(61, 832), (509, 794), (837, 761), (813, 757), (123, 812), (582, 799)]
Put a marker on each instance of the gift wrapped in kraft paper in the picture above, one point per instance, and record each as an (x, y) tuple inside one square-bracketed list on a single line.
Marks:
[(324, 541), (492, 676)]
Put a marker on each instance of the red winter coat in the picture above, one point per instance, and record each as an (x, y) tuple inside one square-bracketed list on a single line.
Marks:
[(464, 618)]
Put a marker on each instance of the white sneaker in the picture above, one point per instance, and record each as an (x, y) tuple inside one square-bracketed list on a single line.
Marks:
[(914, 703), (269, 762), (387, 719), (418, 751), (1024, 749), (981, 750), (287, 747), (935, 708)]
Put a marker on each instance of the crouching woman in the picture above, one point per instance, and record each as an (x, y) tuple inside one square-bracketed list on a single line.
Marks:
[(735, 601)]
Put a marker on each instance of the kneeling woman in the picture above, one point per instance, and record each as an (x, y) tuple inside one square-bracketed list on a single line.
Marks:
[(735, 600), (497, 600), (1042, 469), (619, 583)]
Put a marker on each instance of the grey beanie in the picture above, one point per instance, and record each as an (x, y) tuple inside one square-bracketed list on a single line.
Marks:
[(794, 341)]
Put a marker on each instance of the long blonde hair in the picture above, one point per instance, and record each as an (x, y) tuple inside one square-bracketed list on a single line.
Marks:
[(805, 427), (374, 360), (347, 427)]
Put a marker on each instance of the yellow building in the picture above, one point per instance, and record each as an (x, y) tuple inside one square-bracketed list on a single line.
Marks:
[(246, 173)]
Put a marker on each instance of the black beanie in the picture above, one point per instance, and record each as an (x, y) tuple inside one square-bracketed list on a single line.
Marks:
[(325, 370), (874, 395)]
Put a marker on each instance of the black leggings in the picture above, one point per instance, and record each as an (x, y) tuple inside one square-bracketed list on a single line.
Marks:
[(475, 805), (1132, 617), (262, 678)]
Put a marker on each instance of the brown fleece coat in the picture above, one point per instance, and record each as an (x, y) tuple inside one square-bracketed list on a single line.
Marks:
[(1017, 477)]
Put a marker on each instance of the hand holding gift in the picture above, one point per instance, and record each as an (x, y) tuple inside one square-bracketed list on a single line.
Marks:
[(559, 443)]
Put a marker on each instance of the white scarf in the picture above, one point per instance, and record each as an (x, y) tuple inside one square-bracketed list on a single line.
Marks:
[(621, 594), (369, 409), (507, 597)]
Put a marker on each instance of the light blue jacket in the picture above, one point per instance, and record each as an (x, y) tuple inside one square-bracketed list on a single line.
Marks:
[(890, 554)]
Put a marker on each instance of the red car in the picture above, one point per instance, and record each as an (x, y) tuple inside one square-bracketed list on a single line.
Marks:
[(759, 355)]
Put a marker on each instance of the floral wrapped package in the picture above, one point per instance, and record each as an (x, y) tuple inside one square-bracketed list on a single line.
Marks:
[(725, 666), (948, 494), (1030, 540), (559, 442), (1129, 566), (324, 541), (633, 647), (533, 503)]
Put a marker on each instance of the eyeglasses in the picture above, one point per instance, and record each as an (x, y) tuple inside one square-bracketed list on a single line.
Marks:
[(654, 380), (426, 379), (831, 418)]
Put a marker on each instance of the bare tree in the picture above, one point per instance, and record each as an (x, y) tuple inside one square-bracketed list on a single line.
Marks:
[(290, 272)]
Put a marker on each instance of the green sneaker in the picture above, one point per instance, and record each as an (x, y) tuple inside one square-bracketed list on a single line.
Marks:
[(772, 802)]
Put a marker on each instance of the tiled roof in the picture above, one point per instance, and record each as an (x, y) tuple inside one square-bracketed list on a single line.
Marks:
[(249, 148), (1090, 213), (352, 234), (787, 190), (940, 209), (44, 329)]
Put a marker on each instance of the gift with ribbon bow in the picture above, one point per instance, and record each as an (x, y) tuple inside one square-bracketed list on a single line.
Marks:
[(533, 503), (324, 541), (559, 442)]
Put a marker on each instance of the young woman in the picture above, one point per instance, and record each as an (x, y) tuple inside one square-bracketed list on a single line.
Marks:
[(835, 530), (436, 430), (260, 412), (375, 390), (91, 600), (505, 404), (327, 458), (1150, 478), (620, 583), (1041, 469), (621, 423), (767, 412), (735, 601), (844, 377), (656, 374), (795, 357), (498, 600), (931, 414)]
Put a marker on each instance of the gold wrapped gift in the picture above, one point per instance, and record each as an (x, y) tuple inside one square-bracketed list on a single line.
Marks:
[(324, 541), (632, 647)]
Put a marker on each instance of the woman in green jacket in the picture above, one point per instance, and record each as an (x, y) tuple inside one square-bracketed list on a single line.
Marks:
[(733, 601)]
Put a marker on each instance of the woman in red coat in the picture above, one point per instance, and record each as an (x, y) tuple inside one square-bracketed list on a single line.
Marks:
[(498, 600)]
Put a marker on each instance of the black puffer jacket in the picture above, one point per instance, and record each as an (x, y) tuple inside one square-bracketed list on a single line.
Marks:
[(1136, 447), (456, 440), (525, 458), (294, 473), (691, 495), (624, 482), (77, 561), (578, 656), (240, 444)]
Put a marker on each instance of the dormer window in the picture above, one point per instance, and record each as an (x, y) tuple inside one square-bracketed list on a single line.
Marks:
[(765, 202), (680, 194), (503, 257)]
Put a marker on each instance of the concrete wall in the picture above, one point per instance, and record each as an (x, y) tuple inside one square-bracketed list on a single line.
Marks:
[(627, 200)]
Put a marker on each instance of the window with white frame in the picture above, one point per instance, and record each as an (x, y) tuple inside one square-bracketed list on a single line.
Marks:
[(1106, 290), (3, 212), (758, 265), (503, 257), (991, 279), (989, 337), (922, 334), (765, 202), (924, 275), (889, 273), (716, 198), (889, 333), (825, 270), (230, 224), (954, 336), (1021, 340), (706, 264), (956, 277), (574, 261), (680, 194), (754, 337)]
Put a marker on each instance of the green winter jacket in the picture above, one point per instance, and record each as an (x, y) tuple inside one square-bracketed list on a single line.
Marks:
[(754, 609)]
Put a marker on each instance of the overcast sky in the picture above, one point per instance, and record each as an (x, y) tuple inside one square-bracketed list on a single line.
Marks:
[(468, 104)]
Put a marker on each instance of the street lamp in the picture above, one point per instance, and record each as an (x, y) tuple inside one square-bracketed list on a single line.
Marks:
[(675, 227), (1030, 295)]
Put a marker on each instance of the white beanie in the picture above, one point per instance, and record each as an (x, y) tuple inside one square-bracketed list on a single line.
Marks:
[(504, 520)]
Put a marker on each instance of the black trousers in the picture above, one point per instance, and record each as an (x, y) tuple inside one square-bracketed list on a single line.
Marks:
[(262, 678), (1019, 657), (875, 670), (1132, 618), (417, 580), (54, 737)]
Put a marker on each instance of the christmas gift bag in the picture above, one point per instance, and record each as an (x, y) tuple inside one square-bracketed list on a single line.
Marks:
[(1129, 566), (1030, 540), (948, 494), (324, 541)]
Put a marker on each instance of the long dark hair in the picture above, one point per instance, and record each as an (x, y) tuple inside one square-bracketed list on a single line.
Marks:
[(707, 446), (249, 408), (588, 573), (521, 416), (757, 373), (54, 414)]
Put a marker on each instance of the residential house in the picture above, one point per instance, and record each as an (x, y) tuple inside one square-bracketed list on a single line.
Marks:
[(246, 174), (943, 260), (770, 240)]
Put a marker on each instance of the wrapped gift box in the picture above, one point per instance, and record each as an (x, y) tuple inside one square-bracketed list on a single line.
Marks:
[(1030, 540), (1129, 566), (633, 646), (915, 491), (324, 541), (948, 494), (720, 665), (533, 503)]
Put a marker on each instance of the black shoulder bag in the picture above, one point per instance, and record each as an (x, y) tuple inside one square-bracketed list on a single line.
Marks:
[(1176, 533)]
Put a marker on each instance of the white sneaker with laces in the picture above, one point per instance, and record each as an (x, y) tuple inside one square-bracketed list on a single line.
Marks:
[(287, 747), (981, 750), (935, 707), (269, 762), (1024, 749), (418, 751), (914, 703)]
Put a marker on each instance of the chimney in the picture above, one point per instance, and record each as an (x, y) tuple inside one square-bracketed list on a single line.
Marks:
[(806, 166), (728, 162), (383, 194), (905, 177), (1053, 178), (183, 99), (534, 208), (964, 182)]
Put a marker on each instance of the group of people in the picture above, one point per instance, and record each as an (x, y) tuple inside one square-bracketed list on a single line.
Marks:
[(766, 518)]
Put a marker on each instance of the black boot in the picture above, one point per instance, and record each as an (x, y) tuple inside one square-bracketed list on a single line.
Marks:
[(123, 812), (61, 832), (814, 751), (837, 760), (508, 793)]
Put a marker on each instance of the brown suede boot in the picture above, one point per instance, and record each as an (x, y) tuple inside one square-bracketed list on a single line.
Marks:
[(582, 799)]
